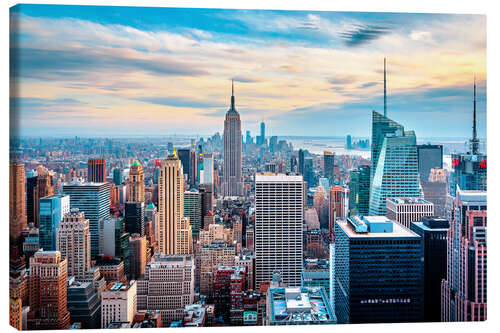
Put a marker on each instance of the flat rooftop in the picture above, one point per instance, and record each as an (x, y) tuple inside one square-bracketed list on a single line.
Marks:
[(398, 230), (412, 201), (473, 196), (277, 177)]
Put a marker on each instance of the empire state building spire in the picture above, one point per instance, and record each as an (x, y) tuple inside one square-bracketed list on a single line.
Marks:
[(233, 108)]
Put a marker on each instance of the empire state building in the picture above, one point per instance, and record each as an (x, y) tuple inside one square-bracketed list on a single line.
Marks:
[(232, 180)]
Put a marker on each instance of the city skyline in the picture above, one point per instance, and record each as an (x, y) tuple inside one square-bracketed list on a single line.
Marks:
[(158, 74)]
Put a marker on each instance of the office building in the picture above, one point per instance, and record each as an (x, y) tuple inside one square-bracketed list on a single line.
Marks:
[(232, 184), (207, 198), (433, 232), (137, 245), (395, 174), (44, 188), (134, 217), (378, 272), (359, 191), (17, 216), (30, 198), (429, 157), (173, 228), (299, 306), (212, 255), (469, 170), (136, 186), (309, 172), (52, 211), (279, 203), (316, 273), (16, 313), (118, 176), (96, 170), (208, 169), (118, 302), (73, 242), (84, 304), (408, 210), (301, 161), (93, 199), (185, 158), (348, 142), (48, 310), (436, 191), (192, 210), (464, 292), (167, 286), (329, 166), (111, 268)]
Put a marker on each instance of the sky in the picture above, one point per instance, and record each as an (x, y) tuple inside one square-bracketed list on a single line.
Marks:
[(132, 71)]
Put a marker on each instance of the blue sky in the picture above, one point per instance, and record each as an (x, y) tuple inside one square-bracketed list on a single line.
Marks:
[(88, 70)]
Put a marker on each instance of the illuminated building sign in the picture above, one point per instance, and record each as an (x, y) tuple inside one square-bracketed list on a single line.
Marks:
[(482, 164)]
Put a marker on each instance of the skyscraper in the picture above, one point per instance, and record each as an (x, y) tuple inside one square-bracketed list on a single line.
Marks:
[(348, 143), (232, 181), (52, 211), (359, 191), (170, 203), (94, 200), (433, 232), (329, 165), (47, 290), (395, 171), (118, 176), (208, 169), (134, 218), (73, 242), (96, 170), (469, 170), (429, 156), (185, 157), (17, 216), (192, 209), (137, 248), (262, 138), (43, 188), (279, 203), (378, 272), (407, 210), (119, 302), (336, 207), (301, 161), (464, 292), (136, 185), (309, 172)]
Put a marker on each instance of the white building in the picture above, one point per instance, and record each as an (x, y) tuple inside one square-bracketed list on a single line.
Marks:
[(73, 241), (208, 169), (167, 286), (118, 303), (408, 210), (279, 201), (107, 229)]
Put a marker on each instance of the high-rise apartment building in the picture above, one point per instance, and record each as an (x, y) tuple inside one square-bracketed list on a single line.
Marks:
[(47, 292), (52, 211), (167, 286), (408, 210), (359, 191), (429, 156), (433, 231), (232, 181), (279, 203), (136, 186), (192, 209), (118, 302), (378, 272), (395, 173), (96, 170), (464, 292), (93, 199), (73, 242)]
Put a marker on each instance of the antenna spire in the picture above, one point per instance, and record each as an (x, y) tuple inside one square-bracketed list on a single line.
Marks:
[(475, 140), (385, 90), (232, 95)]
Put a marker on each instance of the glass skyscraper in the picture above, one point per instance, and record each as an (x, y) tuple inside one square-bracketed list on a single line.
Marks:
[(359, 191), (52, 210), (396, 167), (94, 200)]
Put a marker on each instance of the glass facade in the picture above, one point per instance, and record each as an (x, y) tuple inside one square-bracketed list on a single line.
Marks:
[(359, 191), (52, 210)]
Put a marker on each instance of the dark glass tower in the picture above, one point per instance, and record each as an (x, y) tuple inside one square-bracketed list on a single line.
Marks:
[(134, 217), (359, 191), (433, 232), (429, 156)]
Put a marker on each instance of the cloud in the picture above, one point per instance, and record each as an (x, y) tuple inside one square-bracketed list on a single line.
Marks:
[(342, 79), (247, 79), (367, 85), (362, 34), (179, 102)]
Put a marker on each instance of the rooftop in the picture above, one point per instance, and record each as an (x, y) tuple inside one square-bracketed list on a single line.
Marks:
[(277, 177), (119, 286), (300, 305), (384, 228), (413, 201)]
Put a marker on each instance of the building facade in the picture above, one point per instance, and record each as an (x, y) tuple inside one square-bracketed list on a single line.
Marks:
[(408, 210), (118, 303), (96, 170), (51, 213)]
